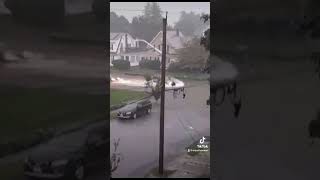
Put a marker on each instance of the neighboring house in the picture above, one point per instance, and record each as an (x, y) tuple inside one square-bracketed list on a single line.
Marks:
[(124, 46), (175, 40), (121, 43)]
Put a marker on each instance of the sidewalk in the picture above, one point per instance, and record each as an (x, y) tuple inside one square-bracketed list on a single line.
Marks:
[(186, 166)]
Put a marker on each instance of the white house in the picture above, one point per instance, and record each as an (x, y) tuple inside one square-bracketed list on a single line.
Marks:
[(124, 46), (121, 43)]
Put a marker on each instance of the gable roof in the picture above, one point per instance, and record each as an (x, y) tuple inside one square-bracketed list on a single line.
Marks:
[(115, 36), (173, 39)]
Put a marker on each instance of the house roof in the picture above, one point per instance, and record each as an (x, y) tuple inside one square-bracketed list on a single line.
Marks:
[(115, 36), (174, 40)]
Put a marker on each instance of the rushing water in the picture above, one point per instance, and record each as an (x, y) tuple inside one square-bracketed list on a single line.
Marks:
[(142, 83)]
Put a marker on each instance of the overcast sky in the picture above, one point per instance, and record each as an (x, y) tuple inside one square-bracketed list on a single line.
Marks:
[(131, 9)]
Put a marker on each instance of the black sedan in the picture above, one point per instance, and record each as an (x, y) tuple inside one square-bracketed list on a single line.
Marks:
[(134, 110)]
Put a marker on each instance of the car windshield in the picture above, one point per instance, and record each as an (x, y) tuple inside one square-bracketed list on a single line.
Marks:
[(129, 107)]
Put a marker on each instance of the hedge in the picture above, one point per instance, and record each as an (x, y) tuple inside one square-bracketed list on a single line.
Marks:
[(150, 64), (121, 64), (174, 67)]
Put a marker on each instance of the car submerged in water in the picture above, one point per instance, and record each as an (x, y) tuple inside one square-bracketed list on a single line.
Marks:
[(134, 110), (70, 156)]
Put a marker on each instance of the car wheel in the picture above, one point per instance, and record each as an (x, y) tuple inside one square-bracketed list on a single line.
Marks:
[(79, 172), (134, 116)]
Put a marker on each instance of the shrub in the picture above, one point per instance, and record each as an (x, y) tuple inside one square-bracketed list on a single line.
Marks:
[(173, 67), (147, 77), (190, 68), (121, 64), (150, 64), (156, 91)]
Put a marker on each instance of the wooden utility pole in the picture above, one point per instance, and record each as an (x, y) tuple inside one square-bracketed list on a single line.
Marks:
[(163, 79)]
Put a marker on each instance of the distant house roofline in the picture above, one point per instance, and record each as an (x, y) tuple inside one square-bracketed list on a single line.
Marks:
[(118, 35)]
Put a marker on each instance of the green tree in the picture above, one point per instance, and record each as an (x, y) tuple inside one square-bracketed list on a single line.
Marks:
[(147, 10), (205, 41), (148, 78), (189, 24), (118, 23), (192, 56), (149, 24), (155, 13), (156, 91)]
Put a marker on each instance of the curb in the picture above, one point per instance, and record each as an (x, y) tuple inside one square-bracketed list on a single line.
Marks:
[(134, 74), (175, 169)]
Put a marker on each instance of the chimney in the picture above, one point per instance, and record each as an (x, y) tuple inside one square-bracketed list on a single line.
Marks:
[(177, 31)]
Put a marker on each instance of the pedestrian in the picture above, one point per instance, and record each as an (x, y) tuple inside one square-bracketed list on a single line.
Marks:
[(174, 93), (184, 95)]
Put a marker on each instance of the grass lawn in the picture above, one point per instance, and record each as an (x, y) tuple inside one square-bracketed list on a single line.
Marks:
[(118, 96), (24, 111)]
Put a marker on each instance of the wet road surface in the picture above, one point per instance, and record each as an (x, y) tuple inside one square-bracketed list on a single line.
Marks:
[(185, 121)]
